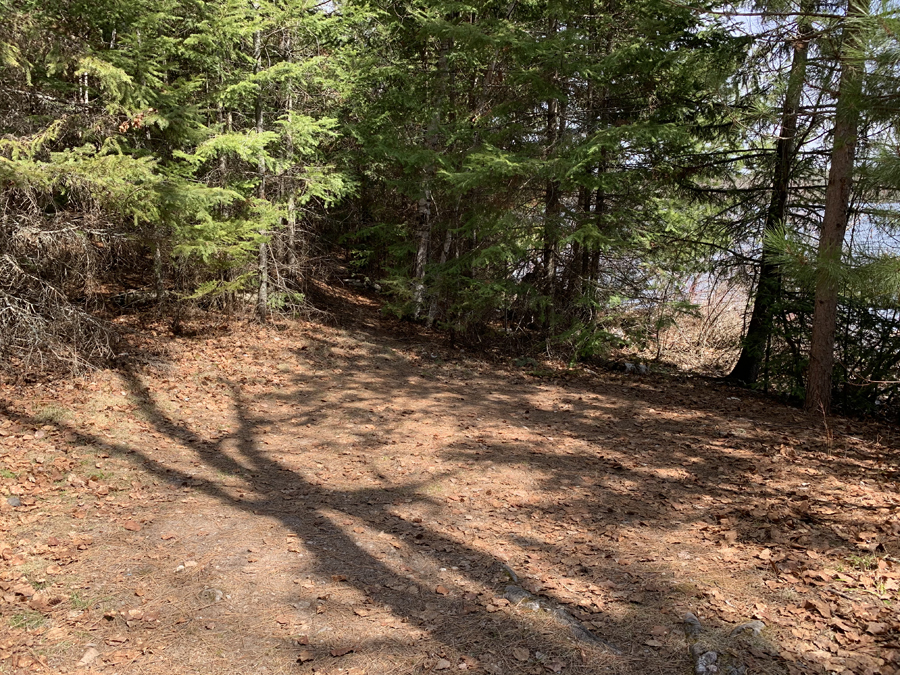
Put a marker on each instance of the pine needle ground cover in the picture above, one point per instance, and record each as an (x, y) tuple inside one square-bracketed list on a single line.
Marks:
[(302, 498)]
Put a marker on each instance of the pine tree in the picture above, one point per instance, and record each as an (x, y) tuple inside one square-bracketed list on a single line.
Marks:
[(837, 204), (759, 330)]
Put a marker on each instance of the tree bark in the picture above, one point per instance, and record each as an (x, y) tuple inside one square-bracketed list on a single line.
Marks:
[(552, 196), (286, 182), (834, 224), (158, 270), (262, 295), (746, 370), (423, 247)]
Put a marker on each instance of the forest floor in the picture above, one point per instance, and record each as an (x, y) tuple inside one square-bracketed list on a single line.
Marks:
[(302, 498)]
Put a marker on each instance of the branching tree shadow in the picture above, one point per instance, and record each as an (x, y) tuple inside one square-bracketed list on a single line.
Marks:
[(313, 511)]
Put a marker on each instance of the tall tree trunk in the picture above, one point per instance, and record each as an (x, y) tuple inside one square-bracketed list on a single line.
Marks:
[(576, 269), (445, 253), (423, 246), (159, 280), (834, 224), (262, 296), (552, 196), (599, 105), (286, 183), (746, 370)]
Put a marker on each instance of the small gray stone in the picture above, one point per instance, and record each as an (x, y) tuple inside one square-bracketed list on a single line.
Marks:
[(14, 501), (692, 625), (212, 595), (516, 594), (706, 663), (513, 577), (754, 626)]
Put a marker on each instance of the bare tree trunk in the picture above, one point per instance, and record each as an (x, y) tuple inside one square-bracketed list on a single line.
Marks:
[(601, 216), (552, 197), (423, 246), (746, 370), (834, 224), (158, 272), (223, 165), (445, 252), (577, 268), (262, 296), (599, 107), (287, 185)]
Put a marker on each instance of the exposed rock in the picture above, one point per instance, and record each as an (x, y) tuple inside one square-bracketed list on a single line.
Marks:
[(524, 600), (513, 577), (707, 660), (692, 625), (704, 662), (754, 626)]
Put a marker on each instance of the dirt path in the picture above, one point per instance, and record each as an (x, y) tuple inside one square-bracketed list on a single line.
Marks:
[(339, 501)]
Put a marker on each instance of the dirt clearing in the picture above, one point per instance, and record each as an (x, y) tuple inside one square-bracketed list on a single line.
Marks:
[(341, 500)]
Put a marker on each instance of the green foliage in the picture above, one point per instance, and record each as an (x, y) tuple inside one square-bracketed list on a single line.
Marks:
[(153, 141), (554, 173)]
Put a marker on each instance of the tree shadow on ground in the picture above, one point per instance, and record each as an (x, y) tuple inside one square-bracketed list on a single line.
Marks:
[(606, 488)]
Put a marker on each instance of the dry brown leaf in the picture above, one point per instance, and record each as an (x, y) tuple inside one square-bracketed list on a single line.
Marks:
[(521, 654), (121, 656), (876, 628), (89, 657), (818, 605)]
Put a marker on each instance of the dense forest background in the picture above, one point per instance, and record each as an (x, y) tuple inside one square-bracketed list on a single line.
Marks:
[(574, 177)]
